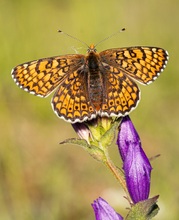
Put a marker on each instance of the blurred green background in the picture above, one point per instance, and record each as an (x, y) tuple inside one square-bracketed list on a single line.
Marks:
[(40, 179)]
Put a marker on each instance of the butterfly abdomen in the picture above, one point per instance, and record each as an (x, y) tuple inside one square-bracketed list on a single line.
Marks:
[(95, 82)]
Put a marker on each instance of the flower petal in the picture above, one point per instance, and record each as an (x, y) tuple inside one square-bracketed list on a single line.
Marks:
[(126, 136), (137, 172), (82, 130), (103, 211)]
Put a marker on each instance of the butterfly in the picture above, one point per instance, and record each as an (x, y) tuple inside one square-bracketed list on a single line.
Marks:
[(95, 84)]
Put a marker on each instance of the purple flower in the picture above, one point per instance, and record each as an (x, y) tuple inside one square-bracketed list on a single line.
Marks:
[(136, 165), (103, 211), (82, 130)]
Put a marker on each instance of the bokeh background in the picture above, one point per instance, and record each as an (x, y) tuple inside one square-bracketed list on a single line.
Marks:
[(40, 179)]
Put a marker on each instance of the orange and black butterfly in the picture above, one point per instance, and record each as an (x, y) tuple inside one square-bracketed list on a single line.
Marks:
[(95, 84)]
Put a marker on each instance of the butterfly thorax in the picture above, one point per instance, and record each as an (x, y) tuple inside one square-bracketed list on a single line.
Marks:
[(95, 79)]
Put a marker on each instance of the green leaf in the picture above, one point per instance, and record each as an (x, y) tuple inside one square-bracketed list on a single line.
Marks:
[(144, 210), (94, 151)]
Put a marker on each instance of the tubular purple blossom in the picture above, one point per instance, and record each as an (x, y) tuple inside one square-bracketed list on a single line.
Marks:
[(82, 130), (136, 165), (103, 211)]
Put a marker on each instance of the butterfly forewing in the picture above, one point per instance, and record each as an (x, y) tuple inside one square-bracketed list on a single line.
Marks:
[(41, 77), (144, 64)]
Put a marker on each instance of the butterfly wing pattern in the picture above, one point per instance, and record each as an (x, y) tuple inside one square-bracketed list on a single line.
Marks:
[(96, 84), (41, 77), (143, 64), (71, 100)]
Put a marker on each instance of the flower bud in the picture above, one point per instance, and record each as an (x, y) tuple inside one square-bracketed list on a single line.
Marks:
[(103, 211), (136, 165)]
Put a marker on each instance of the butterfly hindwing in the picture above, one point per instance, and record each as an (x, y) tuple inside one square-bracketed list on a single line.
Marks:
[(71, 100), (122, 94)]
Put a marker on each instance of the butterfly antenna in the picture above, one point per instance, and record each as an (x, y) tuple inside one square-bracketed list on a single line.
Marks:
[(75, 38), (123, 29)]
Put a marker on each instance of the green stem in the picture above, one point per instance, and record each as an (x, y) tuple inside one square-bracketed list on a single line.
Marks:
[(118, 175)]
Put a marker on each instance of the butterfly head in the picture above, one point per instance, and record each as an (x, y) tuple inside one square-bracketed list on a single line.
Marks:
[(91, 49)]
